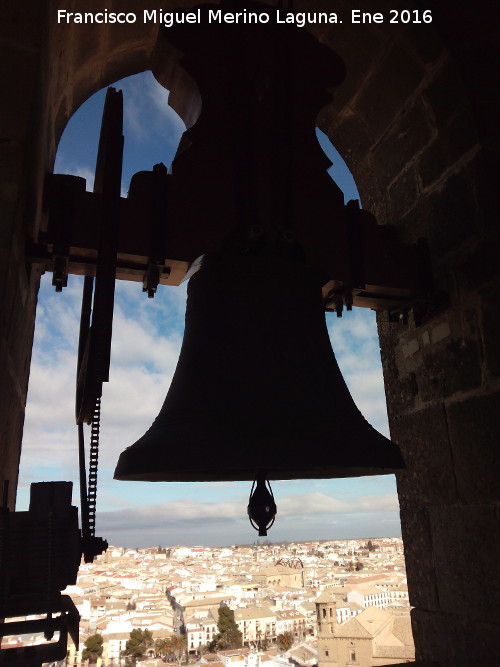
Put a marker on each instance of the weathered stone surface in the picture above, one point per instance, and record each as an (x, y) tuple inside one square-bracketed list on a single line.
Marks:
[(474, 425), (442, 94), (459, 557), (17, 296), (403, 194), (447, 148), (478, 268), (406, 139), (448, 367), (423, 438), (7, 225), (32, 22), (11, 423), (415, 223), (352, 140), (16, 118), (388, 90), (370, 190), (491, 318), (483, 171), (450, 641), (453, 218), (430, 49), (400, 388), (358, 67), (417, 536)]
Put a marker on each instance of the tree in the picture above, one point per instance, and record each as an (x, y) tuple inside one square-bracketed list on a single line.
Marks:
[(229, 635), (93, 649), (137, 645), (226, 619), (210, 647), (161, 647), (285, 641), (177, 646), (369, 546)]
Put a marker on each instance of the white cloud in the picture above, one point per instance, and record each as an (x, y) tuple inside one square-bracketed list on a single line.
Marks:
[(143, 362), (298, 505), (300, 517), (386, 502), (159, 97), (145, 109), (133, 119), (135, 343), (312, 503), (356, 348), (177, 510)]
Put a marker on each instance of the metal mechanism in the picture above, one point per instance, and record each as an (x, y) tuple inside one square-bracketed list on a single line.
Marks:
[(41, 550), (96, 332), (96, 318), (92, 545), (40, 555), (291, 561)]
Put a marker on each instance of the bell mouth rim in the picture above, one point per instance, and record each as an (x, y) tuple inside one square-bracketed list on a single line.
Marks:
[(136, 465), (299, 474)]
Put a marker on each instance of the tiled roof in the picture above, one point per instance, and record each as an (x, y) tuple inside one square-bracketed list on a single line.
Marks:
[(250, 613), (402, 630), (326, 597), (367, 624), (394, 652)]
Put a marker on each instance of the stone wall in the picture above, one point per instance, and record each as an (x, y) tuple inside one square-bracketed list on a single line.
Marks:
[(424, 164), (20, 77)]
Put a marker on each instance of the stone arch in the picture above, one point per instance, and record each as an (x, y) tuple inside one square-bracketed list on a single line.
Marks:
[(83, 60)]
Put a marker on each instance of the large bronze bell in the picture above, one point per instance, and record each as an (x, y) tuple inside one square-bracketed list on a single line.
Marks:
[(257, 386)]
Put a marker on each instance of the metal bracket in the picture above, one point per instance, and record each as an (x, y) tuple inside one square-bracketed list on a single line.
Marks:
[(67, 623)]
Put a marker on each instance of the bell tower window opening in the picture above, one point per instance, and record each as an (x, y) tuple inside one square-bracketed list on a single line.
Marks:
[(131, 314)]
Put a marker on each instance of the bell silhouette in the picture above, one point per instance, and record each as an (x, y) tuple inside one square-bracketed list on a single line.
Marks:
[(257, 386)]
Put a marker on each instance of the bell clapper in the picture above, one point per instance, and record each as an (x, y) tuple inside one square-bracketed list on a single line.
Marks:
[(262, 509)]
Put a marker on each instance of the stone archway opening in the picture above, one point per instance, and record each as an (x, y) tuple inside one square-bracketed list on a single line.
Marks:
[(368, 397), (352, 119)]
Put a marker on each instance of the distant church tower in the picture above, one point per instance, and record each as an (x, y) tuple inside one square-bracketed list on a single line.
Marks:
[(326, 616)]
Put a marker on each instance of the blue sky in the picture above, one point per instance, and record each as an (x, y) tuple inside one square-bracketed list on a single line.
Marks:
[(146, 340)]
